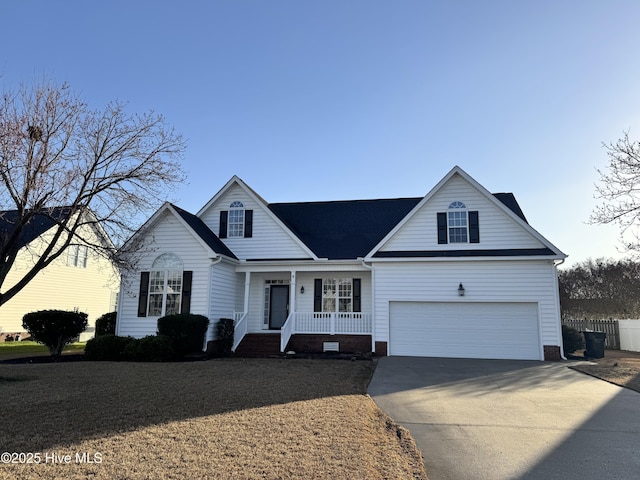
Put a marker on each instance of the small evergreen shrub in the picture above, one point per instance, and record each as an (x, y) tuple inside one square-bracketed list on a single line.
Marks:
[(152, 348), (224, 336), (107, 348), (106, 324), (54, 328), (572, 339), (186, 330)]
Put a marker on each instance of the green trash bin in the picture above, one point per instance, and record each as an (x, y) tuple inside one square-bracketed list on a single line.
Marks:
[(594, 342)]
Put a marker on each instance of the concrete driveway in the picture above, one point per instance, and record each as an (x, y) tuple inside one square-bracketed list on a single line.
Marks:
[(501, 419)]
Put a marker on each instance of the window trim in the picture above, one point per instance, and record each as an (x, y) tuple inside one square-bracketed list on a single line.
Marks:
[(351, 294), (457, 213), (169, 273), (235, 220), (77, 255), (472, 225)]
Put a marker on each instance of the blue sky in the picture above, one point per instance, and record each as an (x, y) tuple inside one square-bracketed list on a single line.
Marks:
[(327, 100)]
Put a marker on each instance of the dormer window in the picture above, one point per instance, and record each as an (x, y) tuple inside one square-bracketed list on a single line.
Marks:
[(457, 222), (236, 220), (458, 225)]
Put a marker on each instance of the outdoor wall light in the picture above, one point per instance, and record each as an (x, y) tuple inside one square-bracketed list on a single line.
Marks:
[(461, 290), (302, 289)]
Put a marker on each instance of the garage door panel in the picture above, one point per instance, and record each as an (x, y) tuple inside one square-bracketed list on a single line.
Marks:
[(461, 329)]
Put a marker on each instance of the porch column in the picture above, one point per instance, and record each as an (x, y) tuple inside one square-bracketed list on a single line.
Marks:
[(292, 293), (247, 285)]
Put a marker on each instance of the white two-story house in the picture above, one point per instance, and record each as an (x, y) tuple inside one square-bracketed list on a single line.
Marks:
[(456, 273)]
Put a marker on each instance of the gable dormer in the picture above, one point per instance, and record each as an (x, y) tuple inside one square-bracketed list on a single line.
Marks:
[(243, 221), (460, 217)]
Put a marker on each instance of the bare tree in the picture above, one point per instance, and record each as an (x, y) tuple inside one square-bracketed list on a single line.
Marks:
[(100, 168), (619, 188)]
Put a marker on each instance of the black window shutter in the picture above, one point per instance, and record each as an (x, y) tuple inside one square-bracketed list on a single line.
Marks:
[(248, 223), (144, 294), (224, 218), (185, 307), (357, 297), (474, 228), (317, 295), (442, 227)]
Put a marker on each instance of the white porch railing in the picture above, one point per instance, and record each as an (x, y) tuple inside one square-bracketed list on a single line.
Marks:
[(286, 331), (350, 323), (240, 325), (327, 323)]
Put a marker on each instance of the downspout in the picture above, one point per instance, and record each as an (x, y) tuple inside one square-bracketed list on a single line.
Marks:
[(557, 296), (373, 304)]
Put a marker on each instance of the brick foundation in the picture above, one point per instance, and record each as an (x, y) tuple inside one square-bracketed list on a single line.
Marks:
[(552, 353), (313, 343), (381, 349)]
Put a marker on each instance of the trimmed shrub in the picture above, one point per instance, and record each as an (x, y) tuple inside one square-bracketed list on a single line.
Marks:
[(152, 348), (106, 324), (107, 347), (186, 330), (54, 328), (224, 336), (572, 339)]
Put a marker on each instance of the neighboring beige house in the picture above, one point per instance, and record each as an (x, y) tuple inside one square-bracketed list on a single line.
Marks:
[(79, 279)]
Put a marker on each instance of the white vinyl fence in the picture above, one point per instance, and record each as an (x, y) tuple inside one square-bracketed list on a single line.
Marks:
[(629, 335)]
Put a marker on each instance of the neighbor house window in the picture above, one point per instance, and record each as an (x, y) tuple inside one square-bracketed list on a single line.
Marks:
[(165, 286), (457, 222), (236, 219), (77, 256)]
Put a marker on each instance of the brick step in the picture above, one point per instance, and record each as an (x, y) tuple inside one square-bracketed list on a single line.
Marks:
[(259, 345)]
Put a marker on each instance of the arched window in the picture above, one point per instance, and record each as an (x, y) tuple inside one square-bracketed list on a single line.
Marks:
[(236, 219), (458, 223), (165, 285)]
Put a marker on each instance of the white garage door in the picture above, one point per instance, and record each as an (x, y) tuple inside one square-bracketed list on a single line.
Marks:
[(464, 330)]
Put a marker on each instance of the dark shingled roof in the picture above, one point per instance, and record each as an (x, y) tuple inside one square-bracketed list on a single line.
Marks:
[(204, 233), (343, 229), (39, 224), (350, 229)]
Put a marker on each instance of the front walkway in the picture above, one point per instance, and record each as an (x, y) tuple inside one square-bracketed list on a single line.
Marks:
[(500, 419)]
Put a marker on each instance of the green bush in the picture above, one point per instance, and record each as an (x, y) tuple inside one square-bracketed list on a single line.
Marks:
[(572, 339), (224, 336), (186, 330), (106, 324), (54, 328), (152, 348), (107, 347)]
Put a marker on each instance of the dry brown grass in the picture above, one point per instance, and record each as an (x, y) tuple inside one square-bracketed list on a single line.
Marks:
[(618, 367), (232, 418)]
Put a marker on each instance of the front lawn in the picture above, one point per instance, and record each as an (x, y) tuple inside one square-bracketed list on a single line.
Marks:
[(10, 350), (217, 419)]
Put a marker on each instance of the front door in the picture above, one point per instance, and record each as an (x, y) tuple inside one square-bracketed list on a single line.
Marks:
[(278, 306)]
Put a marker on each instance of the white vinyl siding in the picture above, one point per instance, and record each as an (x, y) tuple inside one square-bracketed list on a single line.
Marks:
[(224, 291), (484, 281), (460, 329), (169, 236), (269, 239), (497, 229)]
